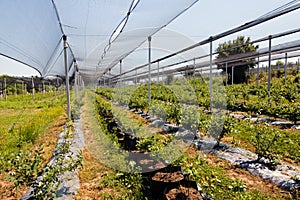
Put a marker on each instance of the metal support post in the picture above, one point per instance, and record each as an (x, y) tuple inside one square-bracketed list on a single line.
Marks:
[(269, 62), (5, 93), (194, 65), (22, 88), (158, 77), (232, 75), (120, 80), (226, 74), (257, 78), (157, 72), (67, 76), (162, 77), (32, 84), (16, 89), (285, 65), (135, 77), (109, 80), (149, 72), (298, 65), (210, 75)]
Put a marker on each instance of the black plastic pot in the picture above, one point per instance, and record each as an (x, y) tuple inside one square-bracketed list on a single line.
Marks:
[(159, 187)]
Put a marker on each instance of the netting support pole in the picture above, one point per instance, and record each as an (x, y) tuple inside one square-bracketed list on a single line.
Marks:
[(44, 89), (298, 65), (76, 77), (135, 77), (120, 80), (158, 78), (226, 74), (285, 65), (5, 93), (194, 65), (269, 63), (162, 76), (57, 82), (67, 77), (157, 73), (109, 80), (22, 88), (149, 72), (257, 78), (232, 75), (210, 73), (32, 84), (16, 89)]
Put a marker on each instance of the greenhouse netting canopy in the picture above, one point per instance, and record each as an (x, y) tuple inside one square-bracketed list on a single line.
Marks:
[(99, 33)]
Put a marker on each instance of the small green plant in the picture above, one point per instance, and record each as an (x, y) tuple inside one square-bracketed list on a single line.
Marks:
[(49, 180), (26, 166), (263, 142)]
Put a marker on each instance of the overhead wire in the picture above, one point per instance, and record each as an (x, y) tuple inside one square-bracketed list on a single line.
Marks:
[(270, 15), (137, 46)]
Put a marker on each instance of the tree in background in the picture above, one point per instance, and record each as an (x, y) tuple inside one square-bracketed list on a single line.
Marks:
[(241, 67)]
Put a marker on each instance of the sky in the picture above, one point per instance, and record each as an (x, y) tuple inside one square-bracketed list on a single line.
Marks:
[(207, 18)]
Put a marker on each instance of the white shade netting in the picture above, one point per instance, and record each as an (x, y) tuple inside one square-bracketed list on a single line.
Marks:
[(99, 33)]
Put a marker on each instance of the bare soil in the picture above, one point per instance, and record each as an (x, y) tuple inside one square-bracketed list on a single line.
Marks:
[(168, 177), (252, 182), (48, 140), (183, 193)]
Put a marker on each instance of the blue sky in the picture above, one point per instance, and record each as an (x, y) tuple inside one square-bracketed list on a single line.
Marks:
[(210, 17)]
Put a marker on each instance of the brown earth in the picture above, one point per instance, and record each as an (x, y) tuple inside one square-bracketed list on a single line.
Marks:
[(183, 193), (48, 140), (252, 182)]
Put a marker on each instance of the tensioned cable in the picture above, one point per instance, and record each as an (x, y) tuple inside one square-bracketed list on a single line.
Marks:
[(123, 22), (20, 51), (153, 34), (61, 28), (58, 18), (231, 59), (279, 9), (52, 55), (226, 33), (21, 62), (55, 61)]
